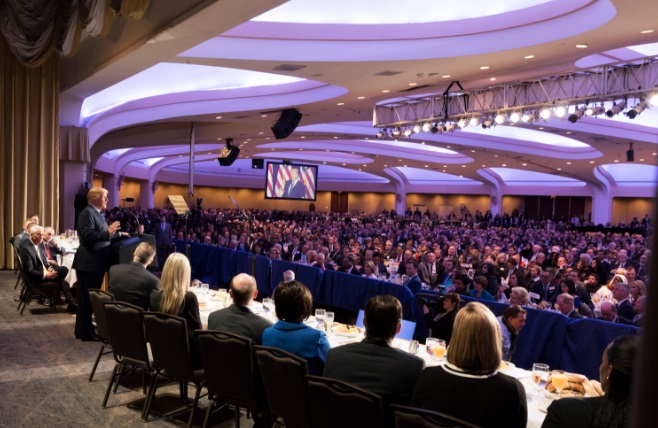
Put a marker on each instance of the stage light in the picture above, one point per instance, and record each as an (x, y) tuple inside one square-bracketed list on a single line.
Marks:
[(449, 127), (475, 121), (577, 114), (616, 109), (416, 129), (487, 123), (382, 134), (396, 131), (528, 118), (639, 108), (515, 117), (462, 123), (427, 127), (653, 100), (500, 119), (560, 111), (545, 113), (407, 132), (594, 111), (434, 129)]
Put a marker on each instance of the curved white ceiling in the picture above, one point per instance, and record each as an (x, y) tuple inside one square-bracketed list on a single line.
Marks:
[(518, 177), (282, 41), (631, 174)]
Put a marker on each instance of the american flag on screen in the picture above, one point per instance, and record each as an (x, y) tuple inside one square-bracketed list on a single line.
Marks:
[(282, 173)]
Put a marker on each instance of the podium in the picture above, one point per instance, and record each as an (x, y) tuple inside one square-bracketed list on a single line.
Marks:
[(123, 249)]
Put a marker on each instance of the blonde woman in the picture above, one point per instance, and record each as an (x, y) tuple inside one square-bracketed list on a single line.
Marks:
[(469, 386), (175, 298)]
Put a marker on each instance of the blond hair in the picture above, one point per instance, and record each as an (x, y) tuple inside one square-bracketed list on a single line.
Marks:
[(476, 343), (95, 192), (175, 283)]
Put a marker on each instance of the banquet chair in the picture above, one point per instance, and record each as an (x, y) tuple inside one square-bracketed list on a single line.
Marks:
[(98, 298), (413, 417), (231, 377), (125, 323), (285, 385), (334, 403), (167, 336), (17, 269), (29, 291)]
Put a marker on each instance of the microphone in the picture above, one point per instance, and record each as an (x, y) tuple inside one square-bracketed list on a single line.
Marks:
[(133, 216)]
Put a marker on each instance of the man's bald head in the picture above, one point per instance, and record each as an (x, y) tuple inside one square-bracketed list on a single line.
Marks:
[(243, 289)]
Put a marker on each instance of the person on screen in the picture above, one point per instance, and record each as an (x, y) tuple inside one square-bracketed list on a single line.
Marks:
[(294, 187)]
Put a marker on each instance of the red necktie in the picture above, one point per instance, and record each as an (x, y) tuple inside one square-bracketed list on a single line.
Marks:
[(47, 247)]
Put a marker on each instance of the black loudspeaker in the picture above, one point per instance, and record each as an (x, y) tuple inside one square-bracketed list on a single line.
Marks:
[(286, 123), (257, 163), (228, 155), (630, 155)]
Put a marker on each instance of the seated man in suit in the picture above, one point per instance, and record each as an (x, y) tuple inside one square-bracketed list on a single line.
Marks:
[(565, 304), (430, 271), (413, 283), (131, 282), (49, 246), (373, 364), (624, 305), (38, 270), (239, 317)]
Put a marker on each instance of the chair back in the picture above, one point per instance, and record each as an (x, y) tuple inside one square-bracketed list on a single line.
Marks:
[(284, 380), (125, 323), (229, 365), (98, 297), (334, 403), (412, 417), (170, 348)]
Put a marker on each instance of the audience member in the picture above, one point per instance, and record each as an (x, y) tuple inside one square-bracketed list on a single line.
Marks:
[(612, 410), (479, 289), (441, 324), (469, 386), (239, 318), (413, 283), (621, 293), (175, 298), (565, 304), (293, 304), (373, 364), (131, 282), (639, 307), (511, 323)]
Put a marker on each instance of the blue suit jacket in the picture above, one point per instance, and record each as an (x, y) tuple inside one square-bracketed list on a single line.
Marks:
[(301, 340), (414, 284)]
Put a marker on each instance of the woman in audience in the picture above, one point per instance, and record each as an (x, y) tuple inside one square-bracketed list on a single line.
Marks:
[(569, 287), (519, 296), (611, 410), (637, 288), (469, 386), (175, 298), (479, 291), (493, 280), (534, 276), (442, 323), (369, 270), (293, 303)]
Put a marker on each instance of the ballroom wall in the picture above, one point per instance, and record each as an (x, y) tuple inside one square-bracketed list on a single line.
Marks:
[(624, 209)]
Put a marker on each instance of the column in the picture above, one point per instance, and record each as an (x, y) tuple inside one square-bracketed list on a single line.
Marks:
[(112, 183), (601, 207), (71, 180), (146, 194)]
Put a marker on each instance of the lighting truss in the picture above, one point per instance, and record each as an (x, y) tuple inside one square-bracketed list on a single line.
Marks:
[(604, 83)]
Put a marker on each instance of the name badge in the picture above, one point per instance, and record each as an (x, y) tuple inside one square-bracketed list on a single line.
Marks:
[(534, 296)]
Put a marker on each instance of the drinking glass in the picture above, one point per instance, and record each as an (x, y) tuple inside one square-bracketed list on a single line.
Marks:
[(204, 288), (436, 347), (540, 376), (222, 294), (329, 320), (319, 317), (560, 380), (266, 304)]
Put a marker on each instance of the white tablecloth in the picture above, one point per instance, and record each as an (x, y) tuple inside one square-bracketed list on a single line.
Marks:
[(537, 403)]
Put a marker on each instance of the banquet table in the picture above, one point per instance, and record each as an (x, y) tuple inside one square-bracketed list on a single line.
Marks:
[(537, 403), (70, 246)]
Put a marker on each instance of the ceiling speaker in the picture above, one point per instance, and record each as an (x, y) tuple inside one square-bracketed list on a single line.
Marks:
[(286, 123), (228, 154)]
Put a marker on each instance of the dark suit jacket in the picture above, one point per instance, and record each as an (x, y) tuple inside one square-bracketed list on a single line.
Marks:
[(424, 269), (441, 328), (538, 287), (575, 314), (572, 412), (93, 255), (239, 320), (296, 191), (414, 284), (132, 283), (54, 251), (31, 264), (376, 367), (162, 238), (625, 310)]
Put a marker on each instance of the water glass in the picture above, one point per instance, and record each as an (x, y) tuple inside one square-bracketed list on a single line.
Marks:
[(329, 321), (319, 316), (204, 288), (540, 376), (266, 304), (222, 294)]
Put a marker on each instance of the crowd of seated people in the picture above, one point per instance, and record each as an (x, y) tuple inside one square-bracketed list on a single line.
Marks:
[(537, 256)]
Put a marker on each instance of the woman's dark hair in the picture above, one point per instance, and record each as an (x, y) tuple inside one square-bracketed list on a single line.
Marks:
[(454, 298), (571, 286), (293, 301), (615, 407)]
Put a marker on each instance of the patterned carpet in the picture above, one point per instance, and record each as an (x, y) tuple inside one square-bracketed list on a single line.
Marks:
[(44, 375)]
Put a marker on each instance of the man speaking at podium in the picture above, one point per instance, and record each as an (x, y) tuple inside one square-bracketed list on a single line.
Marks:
[(92, 259), (294, 187)]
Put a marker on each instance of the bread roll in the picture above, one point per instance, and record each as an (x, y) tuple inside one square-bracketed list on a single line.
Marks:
[(577, 387), (576, 378), (589, 389), (597, 386)]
